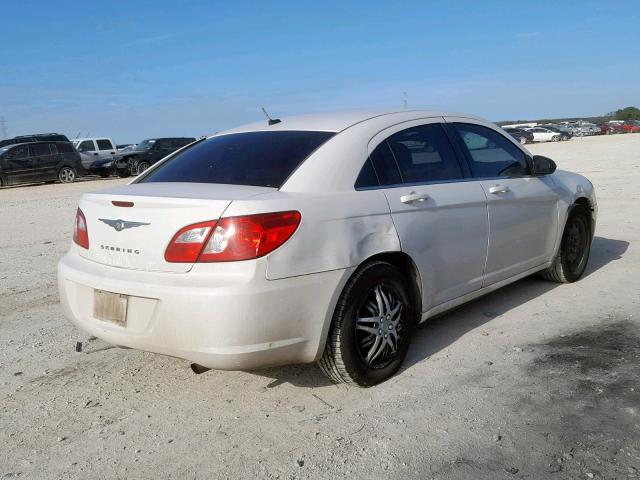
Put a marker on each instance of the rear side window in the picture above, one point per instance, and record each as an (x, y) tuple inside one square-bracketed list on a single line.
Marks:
[(490, 153), (424, 154), (264, 159), (104, 144), (385, 165), (64, 147)]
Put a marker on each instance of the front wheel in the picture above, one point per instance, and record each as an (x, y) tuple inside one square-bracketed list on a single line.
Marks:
[(66, 175), (522, 140), (571, 261), (142, 166), (371, 328), (555, 138)]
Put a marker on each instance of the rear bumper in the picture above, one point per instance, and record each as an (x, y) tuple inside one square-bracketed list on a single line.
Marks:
[(224, 319)]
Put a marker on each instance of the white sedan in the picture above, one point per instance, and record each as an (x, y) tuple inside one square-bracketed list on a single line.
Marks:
[(323, 238), (541, 134)]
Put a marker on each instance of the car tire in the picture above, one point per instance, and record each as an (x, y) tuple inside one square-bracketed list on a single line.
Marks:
[(123, 173), (67, 175), (104, 174), (142, 166), (572, 257), (371, 328), (555, 138), (522, 140)]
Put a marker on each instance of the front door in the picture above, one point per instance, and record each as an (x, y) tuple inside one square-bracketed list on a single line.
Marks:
[(523, 209), (17, 165), (440, 218)]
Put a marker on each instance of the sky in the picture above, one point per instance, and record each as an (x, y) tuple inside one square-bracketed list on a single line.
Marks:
[(138, 69)]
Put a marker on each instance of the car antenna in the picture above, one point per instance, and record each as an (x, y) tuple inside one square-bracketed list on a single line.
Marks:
[(271, 121)]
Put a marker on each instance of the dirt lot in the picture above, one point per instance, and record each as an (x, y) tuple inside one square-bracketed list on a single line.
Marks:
[(533, 381)]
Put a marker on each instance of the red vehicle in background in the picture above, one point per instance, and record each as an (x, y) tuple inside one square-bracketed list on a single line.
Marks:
[(632, 126), (611, 128)]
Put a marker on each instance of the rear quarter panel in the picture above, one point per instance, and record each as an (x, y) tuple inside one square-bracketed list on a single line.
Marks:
[(338, 230)]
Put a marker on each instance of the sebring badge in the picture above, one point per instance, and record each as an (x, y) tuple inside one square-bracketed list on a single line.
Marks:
[(120, 225)]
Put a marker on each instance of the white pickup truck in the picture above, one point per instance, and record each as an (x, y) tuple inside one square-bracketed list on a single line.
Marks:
[(95, 148)]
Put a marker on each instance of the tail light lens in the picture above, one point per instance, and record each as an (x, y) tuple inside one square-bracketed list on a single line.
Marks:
[(233, 238), (80, 232)]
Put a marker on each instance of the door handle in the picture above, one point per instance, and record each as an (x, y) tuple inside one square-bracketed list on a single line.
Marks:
[(498, 189), (95, 153), (414, 197)]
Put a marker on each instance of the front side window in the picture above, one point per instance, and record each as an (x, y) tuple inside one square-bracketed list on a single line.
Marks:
[(19, 152), (424, 154), (264, 159), (144, 145), (491, 154)]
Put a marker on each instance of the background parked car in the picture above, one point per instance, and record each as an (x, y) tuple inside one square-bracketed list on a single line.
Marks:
[(38, 162), (632, 126), (92, 149), (522, 136), (541, 134), (564, 134), (611, 128), (35, 137), (148, 152)]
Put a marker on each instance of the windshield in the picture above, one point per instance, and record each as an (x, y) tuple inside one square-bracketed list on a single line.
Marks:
[(263, 159), (144, 145)]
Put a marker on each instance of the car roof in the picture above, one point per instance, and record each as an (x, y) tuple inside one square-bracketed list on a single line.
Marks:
[(339, 121)]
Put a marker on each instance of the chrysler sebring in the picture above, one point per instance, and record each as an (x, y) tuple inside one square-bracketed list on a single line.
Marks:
[(323, 238)]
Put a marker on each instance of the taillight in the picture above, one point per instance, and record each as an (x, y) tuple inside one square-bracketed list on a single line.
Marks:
[(80, 232), (233, 238)]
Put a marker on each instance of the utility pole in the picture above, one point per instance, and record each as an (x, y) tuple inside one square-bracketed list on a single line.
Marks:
[(3, 127)]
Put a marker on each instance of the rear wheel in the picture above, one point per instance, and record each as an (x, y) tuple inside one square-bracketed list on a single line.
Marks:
[(66, 175), (555, 138), (371, 329), (573, 255), (522, 140)]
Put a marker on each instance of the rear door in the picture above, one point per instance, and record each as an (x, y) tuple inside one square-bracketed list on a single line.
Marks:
[(43, 160), (106, 149), (440, 216), (523, 209)]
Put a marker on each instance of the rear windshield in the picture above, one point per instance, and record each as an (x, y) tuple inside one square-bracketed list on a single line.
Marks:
[(264, 159)]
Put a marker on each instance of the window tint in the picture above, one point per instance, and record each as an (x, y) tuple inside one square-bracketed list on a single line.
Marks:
[(86, 146), (367, 177), (64, 147), (163, 144), (424, 154), (19, 152), (385, 165), (490, 153), (53, 149), (253, 158), (40, 149), (104, 144)]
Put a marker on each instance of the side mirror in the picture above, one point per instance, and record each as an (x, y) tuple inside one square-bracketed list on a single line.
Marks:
[(542, 165)]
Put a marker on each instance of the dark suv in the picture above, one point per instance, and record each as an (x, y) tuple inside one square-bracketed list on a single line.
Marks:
[(148, 152), (39, 162), (36, 137)]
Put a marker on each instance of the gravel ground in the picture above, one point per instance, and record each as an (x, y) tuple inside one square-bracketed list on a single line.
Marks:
[(533, 381)]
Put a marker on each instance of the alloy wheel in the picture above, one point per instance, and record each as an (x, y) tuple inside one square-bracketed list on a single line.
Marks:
[(67, 175), (380, 326)]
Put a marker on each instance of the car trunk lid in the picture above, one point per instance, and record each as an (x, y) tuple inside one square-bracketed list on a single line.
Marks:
[(131, 226)]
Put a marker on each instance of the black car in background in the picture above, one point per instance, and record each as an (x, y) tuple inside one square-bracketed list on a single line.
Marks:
[(522, 136), (148, 152), (39, 162), (36, 137)]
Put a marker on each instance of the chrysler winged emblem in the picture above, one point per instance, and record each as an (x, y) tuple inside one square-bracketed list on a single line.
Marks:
[(120, 225)]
